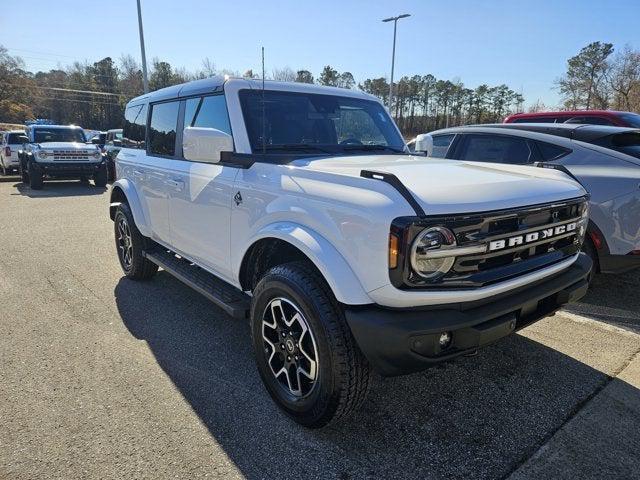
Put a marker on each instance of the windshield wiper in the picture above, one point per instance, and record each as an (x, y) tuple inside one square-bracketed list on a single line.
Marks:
[(297, 147), (372, 148)]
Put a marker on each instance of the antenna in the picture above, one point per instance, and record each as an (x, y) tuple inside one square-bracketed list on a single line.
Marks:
[(264, 122)]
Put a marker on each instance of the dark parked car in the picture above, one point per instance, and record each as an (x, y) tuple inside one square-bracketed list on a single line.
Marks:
[(113, 144)]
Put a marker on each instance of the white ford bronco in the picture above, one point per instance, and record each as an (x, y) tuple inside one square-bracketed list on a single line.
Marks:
[(59, 151), (299, 208)]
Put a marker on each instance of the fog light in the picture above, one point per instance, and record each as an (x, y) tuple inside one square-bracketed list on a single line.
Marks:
[(445, 339)]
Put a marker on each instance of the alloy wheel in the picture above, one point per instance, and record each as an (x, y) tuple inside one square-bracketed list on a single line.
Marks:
[(290, 347), (125, 246)]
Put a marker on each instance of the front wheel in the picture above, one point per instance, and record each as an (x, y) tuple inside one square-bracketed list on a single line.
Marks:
[(24, 175), (36, 180), (589, 248), (305, 352), (100, 177)]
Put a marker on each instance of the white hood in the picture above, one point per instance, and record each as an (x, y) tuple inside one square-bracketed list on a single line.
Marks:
[(450, 186)]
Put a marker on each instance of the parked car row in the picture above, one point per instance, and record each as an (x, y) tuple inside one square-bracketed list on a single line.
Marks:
[(45, 151)]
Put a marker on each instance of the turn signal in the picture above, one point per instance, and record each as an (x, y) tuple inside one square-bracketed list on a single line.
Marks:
[(393, 251)]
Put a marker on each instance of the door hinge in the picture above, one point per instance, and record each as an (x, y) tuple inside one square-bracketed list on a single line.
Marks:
[(237, 198)]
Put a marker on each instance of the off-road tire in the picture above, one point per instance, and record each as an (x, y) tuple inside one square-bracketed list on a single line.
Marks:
[(100, 177), (139, 267), (36, 180), (343, 374), (24, 175)]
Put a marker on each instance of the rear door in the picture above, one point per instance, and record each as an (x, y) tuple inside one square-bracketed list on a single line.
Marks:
[(201, 194)]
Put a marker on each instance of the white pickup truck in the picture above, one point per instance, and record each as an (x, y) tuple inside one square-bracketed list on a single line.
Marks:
[(299, 208)]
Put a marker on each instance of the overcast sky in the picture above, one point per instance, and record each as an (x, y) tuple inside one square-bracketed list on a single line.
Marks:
[(524, 44)]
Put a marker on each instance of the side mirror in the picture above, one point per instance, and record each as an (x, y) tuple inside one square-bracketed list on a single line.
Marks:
[(95, 140), (424, 143), (201, 144)]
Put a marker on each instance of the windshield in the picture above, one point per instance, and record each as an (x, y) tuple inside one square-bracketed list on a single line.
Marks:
[(306, 122), (632, 119), (44, 135)]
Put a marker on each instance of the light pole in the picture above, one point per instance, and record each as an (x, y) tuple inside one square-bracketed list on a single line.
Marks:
[(145, 81), (393, 54)]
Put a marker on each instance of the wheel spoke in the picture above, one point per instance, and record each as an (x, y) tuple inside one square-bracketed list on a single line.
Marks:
[(289, 347)]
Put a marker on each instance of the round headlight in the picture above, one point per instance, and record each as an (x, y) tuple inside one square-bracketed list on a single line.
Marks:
[(429, 257), (42, 154), (97, 154)]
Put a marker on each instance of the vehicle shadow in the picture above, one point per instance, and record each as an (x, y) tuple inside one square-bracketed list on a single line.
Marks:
[(476, 417), (613, 299), (60, 188)]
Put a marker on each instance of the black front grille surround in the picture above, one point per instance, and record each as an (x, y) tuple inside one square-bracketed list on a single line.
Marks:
[(489, 267)]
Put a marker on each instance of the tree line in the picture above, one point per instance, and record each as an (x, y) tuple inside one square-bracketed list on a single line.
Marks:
[(600, 78), (94, 94)]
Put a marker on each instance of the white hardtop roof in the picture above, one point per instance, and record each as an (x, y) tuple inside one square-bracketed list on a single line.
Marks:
[(216, 84)]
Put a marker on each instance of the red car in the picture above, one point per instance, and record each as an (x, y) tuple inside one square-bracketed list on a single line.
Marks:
[(591, 117)]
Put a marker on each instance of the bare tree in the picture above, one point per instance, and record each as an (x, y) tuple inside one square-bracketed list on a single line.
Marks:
[(624, 78), (285, 74)]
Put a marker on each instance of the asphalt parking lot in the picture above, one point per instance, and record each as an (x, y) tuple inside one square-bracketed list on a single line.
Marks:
[(102, 377)]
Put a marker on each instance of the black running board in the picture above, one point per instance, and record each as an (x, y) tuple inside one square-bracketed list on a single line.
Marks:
[(232, 300)]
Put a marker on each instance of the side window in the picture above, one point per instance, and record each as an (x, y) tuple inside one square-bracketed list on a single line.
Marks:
[(535, 120), (551, 152), (590, 120), (441, 145), (208, 112), (135, 127), (162, 128), (496, 148)]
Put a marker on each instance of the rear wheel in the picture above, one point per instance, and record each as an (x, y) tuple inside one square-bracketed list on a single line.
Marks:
[(306, 355), (130, 245)]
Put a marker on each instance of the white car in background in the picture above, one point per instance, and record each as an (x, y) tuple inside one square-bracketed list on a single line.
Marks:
[(11, 142), (604, 159)]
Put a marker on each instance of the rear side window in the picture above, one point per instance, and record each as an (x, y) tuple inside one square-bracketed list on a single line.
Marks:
[(550, 152), (162, 129), (135, 127), (210, 112), (441, 145), (496, 148)]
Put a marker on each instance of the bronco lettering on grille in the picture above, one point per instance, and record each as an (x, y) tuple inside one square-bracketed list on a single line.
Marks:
[(531, 237)]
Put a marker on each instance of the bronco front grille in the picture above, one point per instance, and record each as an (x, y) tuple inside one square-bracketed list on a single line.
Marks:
[(67, 155), (517, 241)]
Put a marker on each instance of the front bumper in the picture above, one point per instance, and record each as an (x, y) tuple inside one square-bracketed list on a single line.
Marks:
[(68, 169), (399, 341)]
